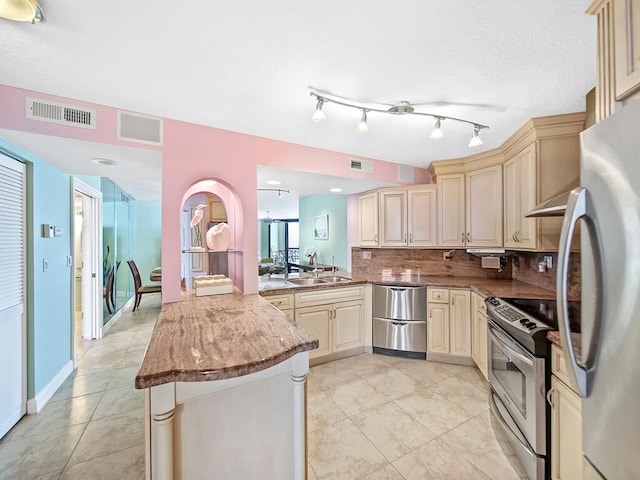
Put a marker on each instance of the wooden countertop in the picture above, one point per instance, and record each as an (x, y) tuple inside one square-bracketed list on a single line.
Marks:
[(483, 286), (219, 336)]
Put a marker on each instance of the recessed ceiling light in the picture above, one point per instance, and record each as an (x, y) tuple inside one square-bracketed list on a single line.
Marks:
[(104, 161), (335, 190), (273, 182)]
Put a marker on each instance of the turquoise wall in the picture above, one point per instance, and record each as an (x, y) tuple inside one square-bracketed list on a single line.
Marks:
[(336, 207), (146, 220), (49, 194)]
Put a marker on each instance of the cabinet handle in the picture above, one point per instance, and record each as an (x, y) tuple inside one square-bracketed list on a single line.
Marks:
[(411, 238), (550, 397), (375, 238), (513, 236), (405, 238), (468, 237), (462, 240)]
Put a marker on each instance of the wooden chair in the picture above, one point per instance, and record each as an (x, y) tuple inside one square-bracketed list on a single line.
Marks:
[(107, 291), (139, 288)]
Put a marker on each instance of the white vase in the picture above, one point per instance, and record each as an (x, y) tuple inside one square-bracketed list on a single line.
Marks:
[(218, 237)]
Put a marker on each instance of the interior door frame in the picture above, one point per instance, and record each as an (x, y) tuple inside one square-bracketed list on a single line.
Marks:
[(92, 284)]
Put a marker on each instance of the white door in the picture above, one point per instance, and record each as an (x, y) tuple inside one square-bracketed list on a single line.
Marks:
[(13, 394)]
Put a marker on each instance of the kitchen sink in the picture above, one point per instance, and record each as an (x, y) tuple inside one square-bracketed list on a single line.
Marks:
[(306, 281), (336, 279)]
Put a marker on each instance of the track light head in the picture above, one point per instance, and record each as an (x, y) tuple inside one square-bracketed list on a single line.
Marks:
[(362, 126), (475, 141), (437, 131), (319, 115)]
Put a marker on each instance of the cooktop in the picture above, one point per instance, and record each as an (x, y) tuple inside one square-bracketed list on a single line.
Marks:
[(546, 311)]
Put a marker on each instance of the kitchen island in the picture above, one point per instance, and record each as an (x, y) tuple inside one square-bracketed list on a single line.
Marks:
[(224, 379)]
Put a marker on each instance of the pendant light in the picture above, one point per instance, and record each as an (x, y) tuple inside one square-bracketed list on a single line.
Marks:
[(319, 115), (437, 131), (475, 138), (362, 126)]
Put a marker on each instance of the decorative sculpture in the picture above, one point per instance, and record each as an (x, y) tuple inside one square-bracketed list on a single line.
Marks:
[(196, 233), (218, 237)]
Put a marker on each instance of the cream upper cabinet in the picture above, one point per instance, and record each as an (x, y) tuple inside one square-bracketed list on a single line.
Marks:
[(407, 217), (484, 207), (519, 198), (626, 23), (451, 211), (470, 208), (421, 217), (369, 219), (393, 218)]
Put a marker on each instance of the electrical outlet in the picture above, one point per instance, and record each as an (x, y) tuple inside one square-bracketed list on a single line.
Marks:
[(45, 264), (548, 259), (366, 255)]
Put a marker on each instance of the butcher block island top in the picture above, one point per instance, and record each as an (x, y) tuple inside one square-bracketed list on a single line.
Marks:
[(216, 337)]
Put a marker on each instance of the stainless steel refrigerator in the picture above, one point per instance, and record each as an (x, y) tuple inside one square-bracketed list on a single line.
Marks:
[(607, 206)]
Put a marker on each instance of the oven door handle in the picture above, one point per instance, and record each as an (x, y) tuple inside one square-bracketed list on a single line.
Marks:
[(502, 340)]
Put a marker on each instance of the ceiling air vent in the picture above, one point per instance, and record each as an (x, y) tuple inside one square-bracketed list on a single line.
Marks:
[(134, 127), (365, 166), (60, 113)]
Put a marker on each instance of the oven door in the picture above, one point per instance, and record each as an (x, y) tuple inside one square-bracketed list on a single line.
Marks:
[(518, 378)]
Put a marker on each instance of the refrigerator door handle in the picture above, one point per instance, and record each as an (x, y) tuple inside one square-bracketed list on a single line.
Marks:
[(577, 208)]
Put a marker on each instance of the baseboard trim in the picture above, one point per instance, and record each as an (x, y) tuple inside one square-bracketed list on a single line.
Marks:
[(116, 316), (454, 359), (36, 404)]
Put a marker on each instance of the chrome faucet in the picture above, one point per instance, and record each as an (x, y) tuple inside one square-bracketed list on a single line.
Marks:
[(333, 266), (313, 260)]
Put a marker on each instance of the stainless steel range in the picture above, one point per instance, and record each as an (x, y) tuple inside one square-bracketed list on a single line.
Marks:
[(519, 376)]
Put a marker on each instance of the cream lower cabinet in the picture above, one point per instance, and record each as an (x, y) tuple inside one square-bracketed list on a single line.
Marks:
[(284, 303), (566, 423), (479, 334), (336, 317), (448, 325)]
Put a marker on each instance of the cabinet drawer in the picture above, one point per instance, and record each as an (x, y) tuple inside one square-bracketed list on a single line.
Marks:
[(438, 295), (281, 302), (328, 295), (559, 367)]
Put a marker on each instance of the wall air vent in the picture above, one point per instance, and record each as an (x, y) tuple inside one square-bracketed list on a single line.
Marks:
[(134, 127), (60, 113), (124, 198), (365, 166)]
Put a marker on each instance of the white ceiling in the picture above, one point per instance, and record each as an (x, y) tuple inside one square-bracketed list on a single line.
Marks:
[(247, 66)]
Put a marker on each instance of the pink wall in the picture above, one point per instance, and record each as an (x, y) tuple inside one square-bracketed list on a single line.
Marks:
[(192, 153)]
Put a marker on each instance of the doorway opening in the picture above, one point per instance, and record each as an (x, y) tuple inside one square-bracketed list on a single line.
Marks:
[(88, 292)]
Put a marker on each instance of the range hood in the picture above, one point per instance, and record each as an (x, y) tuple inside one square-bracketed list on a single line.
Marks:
[(554, 206)]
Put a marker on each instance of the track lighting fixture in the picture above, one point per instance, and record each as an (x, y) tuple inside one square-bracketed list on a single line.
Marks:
[(362, 126), (22, 11), (475, 141), (279, 190), (399, 108), (437, 131)]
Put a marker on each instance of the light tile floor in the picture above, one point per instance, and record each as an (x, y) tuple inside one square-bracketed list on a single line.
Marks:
[(92, 428), (370, 417)]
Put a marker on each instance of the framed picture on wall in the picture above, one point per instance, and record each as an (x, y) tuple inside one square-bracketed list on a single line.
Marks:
[(321, 227)]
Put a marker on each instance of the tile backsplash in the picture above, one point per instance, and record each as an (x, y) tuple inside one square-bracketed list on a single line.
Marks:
[(522, 266)]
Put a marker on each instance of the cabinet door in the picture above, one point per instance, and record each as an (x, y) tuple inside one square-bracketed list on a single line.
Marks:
[(627, 47), (475, 333), (317, 320), (451, 205), (393, 218), (460, 323), (484, 207), (483, 360), (566, 432), (511, 203), (527, 231), (369, 220), (438, 328), (422, 222), (348, 325)]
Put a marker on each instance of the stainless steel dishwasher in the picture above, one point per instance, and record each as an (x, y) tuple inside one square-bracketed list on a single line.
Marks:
[(400, 320)]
